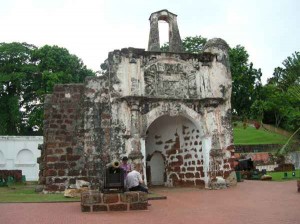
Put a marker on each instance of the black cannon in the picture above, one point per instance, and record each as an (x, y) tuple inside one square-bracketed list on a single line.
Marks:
[(113, 178), (244, 165), (246, 169)]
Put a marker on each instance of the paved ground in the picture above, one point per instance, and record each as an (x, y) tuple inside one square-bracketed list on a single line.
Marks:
[(250, 202)]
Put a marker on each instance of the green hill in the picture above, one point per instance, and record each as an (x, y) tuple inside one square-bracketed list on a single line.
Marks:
[(252, 136)]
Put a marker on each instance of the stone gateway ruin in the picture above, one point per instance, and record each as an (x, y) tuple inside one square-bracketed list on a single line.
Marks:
[(171, 111)]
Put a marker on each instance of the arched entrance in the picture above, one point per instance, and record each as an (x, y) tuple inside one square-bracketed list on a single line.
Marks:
[(174, 152), (157, 169)]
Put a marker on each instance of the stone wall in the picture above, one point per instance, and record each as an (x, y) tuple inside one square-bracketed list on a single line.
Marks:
[(154, 85), (267, 160), (62, 160), (179, 142), (95, 201), (125, 110), (259, 158), (257, 148)]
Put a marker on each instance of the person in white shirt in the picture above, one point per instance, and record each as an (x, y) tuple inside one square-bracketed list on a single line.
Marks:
[(134, 181)]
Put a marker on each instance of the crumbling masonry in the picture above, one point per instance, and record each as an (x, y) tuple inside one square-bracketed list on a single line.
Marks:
[(169, 110)]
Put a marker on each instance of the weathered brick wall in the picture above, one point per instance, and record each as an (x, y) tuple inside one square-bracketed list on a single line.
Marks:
[(179, 142), (102, 140), (80, 137), (95, 201), (62, 157)]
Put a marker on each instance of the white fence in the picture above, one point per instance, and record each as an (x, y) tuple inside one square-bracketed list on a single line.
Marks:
[(21, 153), (266, 167)]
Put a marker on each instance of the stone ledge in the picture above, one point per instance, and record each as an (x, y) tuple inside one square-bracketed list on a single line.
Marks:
[(95, 201)]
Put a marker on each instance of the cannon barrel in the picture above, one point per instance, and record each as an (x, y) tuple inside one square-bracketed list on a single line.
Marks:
[(114, 164)]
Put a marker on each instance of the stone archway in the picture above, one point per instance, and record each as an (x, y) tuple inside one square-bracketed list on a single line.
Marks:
[(173, 147), (173, 109)]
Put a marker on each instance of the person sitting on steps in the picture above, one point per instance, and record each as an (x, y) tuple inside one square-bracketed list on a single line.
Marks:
[(134, 179)]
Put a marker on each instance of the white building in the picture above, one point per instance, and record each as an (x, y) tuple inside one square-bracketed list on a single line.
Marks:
[(21, 153)]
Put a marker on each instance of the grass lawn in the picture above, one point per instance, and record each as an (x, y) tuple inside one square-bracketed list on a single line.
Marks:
[(252, 136), (279, 176), (26, 193)]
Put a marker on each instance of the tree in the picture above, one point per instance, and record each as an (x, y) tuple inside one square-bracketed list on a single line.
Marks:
[(27, 73), (57, 65), (276, 104), (194, 44), (246, 82), (190, 44), (54, 65), (284, 96), (15, 67), (257, 110)]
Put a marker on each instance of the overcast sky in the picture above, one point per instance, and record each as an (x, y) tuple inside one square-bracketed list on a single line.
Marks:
[(268, 29)]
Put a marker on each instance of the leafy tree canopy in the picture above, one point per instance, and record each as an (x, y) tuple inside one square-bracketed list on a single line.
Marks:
[(27, 73), (282, 95), (246, 81), (190, 44)]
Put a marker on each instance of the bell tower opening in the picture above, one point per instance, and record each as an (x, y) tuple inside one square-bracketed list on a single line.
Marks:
[(163, 28), (175, 43)]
